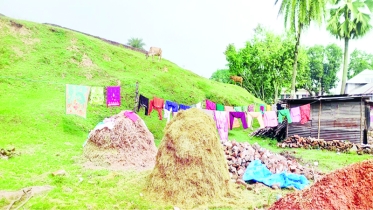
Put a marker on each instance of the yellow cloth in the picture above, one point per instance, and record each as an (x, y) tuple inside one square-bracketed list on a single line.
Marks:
[(269, 108)]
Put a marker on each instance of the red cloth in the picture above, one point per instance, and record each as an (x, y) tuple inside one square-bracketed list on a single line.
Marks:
[(157, 104), (304, 113)]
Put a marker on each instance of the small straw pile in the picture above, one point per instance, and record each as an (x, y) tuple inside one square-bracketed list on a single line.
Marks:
[(191, 168), (129, 145)]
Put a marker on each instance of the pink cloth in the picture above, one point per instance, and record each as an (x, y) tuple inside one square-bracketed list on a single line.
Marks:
[(113, 96), (295, 114), (305, 112), (210, 105), (251, 108), (131, 115), (221, 124), (270, 119)]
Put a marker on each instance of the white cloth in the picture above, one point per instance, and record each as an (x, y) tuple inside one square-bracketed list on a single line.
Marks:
[(199, 105), (167, 114)]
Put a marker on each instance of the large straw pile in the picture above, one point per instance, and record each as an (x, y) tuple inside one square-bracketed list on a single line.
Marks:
[(129, 145), (191, 168)]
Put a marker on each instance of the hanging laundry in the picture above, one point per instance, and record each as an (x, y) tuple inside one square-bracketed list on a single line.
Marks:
[(167, 113), (97, 95), (245, 108), (221, 124), (236, 123), (183, 107), (157, 104), (77, 99), (199, 105), (305, 111), (262, 108), (240, 115), (143, 102), (258, 116), (279, 107), (173, 105), (210, 105), (295, 114), (274, 107), (238, 108), (131, 115), (284, 113), (220, 107), (270, 119), (209, 113), (251, 108), (113, 96), (268, 108)]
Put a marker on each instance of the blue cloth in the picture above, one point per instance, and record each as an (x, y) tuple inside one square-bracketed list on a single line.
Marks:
[(173, 105), (184, 107), (256, 171)]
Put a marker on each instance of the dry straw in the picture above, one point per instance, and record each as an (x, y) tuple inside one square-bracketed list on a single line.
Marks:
[(129, 145), (191, 168)]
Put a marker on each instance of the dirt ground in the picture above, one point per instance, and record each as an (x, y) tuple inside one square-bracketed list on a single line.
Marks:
[(347, 188)]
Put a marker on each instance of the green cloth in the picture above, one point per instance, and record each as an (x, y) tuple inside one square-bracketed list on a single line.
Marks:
[(220, 107), (97, 95), (284, 113), (238, 108), (245, 108)]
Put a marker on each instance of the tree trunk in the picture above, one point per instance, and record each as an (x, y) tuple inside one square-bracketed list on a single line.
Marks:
[(345, 60), (276, 93), (293, 79)]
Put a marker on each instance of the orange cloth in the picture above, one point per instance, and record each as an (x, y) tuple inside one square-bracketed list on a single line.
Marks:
[(236, 123), (157, 104)]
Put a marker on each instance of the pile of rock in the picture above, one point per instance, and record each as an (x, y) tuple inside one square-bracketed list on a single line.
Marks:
[(312, 143), (239, 156), (7, 153)]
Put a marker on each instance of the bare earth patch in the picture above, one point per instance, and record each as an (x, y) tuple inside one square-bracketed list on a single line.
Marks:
[(18, 51), (86, 62), (107, 58)]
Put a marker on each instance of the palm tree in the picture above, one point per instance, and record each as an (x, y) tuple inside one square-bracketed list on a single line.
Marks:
[(136, 43), (350, 19), (298, 14)]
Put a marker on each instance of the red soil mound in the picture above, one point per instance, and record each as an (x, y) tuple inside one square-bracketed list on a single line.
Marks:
[(347, 188)]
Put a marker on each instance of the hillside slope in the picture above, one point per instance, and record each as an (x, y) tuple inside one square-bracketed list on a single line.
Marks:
[(38, 60)]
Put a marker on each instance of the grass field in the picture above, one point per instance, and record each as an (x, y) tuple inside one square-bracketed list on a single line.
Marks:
[(37, 61)]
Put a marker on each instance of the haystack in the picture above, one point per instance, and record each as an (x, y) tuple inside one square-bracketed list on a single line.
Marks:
[(191, 168), (123, 145)]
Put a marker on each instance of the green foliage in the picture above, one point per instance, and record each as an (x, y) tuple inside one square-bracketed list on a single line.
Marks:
[(359, 61), (136, 43), (221, 75), (349, 20), (324, 63), (265, 63)]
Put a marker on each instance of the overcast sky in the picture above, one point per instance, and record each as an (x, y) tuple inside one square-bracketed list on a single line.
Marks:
[(193, 34)]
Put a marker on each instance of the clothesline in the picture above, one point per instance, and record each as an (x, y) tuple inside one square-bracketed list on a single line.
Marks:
[(57, 83)]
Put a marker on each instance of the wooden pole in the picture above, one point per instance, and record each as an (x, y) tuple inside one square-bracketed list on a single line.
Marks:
[(136, 96), (318, 131), (361, 118)]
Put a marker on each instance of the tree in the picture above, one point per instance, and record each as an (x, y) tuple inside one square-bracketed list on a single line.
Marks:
[(324, 63), (299, 14), (221, 75), (265, 63), (349, 20), (359, 61), (136, 43)]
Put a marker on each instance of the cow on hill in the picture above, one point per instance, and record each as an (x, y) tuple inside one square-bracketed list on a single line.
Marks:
[(154, 51), (237, 79)]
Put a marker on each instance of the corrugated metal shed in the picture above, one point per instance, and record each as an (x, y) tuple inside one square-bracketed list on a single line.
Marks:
[(332, 118)]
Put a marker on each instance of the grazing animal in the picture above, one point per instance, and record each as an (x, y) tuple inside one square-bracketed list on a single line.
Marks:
[(154, 51), (237, 79)]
